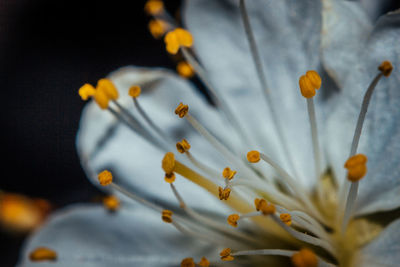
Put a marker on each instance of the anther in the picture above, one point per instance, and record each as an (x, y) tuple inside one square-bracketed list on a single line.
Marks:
[(386, 68), (177, 38), (105, 178), (86, 91), (181, 110), (108, 88), (101, 99), (154, 7), (157, 28), (264, 207), (224, 193), (226, 255), (166, 216), (170, 177), (43, 254), (304, 258), (135, 91), (111, 203), (253, 156), (184, 69), (183, 146), (232, 219), (356, 167), (227, 173), (168, 162), (286, 218), (188, 262), (309, 83), (204, 262)]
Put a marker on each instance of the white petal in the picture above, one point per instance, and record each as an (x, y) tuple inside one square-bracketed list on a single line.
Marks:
[(380, 189), (375, 8), (384, 250), (135, 162), (288, 37), (345, 29), (90, 236)]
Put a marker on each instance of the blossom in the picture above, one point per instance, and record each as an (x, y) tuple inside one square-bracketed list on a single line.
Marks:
[(298, 175)]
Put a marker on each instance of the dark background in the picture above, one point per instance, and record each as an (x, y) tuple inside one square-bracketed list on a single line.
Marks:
[(48, 49)]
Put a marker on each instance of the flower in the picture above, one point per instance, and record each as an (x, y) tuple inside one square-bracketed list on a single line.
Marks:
[(293, 200)]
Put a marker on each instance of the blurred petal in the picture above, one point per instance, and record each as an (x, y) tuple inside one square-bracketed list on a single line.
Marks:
[(380, 189), (135, 162), (384, 250), (288, 37), (345, 29), (90, 236), (375, 8)]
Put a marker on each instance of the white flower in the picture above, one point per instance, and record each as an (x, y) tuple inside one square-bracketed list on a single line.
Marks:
[(304, 177)]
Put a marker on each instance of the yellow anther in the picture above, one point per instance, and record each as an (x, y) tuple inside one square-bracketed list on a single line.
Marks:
[(183, 146), (135, 91), (258, 203), (263, 206), (204, 262), (253, 156), (101, 99), (170, 177), (224, 193), (356, 167), (188, 262), (181, 110), (108, 88), (232, 219), (386, 68), (168, 162), (157, 28), (304, 258), (286, 218), (86, 91), (227, 173), (154, 7), (111, 203), (166, 216), (185, 69), (226, 255), (307, 89), (314, 78), (105, 178), (43, 254), (177, 38)]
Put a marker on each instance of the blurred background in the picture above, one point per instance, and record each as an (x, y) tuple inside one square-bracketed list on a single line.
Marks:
[(48, 49)]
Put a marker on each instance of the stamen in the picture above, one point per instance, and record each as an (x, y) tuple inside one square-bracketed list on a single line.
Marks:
[(188, 262), (232, 219), (305, 258), (226, 255), (265, 252), (185, 70), (158, 28), (43, 254), (263, 81), (166, 216), (227, 173), (154, 7), (253, 156), (105, 178), (286, 218), (183, 146), (177, 38), (181, 110), (134, 91), (223, 193), (204, 262), (111, 203), (86, 91)]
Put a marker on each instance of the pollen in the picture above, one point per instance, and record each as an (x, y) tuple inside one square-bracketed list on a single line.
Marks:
[(86, 91), (227, 173), (134, 91), (181, 110), (157, 28), (386, 68), (356, 167), (154, 7), (43, 254), (232, 219), (253, 156), (183, 146), (111, 203), (226, 255), (105, 178), (286, 218), (264, 207), (305, 258), (204, 262), (224, 193), (184, 69), (168, 162), (176, 39), (166, 216), (309, 83), (108, 88), (170, 177)]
